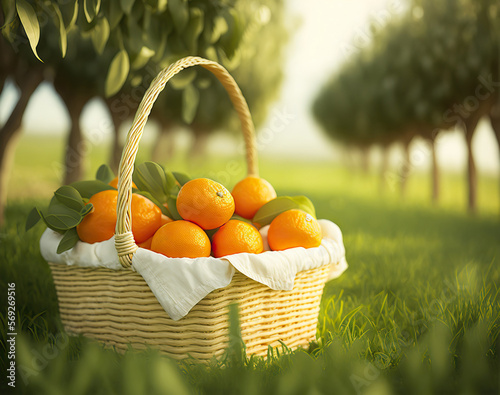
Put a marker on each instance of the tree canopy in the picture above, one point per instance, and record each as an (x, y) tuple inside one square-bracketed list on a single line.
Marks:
[(125, 34), (419, 66), (112, 48)]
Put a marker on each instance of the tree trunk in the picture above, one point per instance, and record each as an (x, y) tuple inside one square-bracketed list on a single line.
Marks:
[(11, 129), (405, 168), (198, 148), (365, 160), (471, 176), (470, 125), (75, 146), (384, 166), (495, 125), (74, 99), (435, 173)]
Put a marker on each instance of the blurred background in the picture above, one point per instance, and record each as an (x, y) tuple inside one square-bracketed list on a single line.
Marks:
[(388, 88)]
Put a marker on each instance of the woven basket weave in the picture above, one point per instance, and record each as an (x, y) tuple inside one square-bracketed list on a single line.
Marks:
[(118, 307)]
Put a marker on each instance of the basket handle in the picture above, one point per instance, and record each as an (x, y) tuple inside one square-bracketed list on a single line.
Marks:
[(124, 240)]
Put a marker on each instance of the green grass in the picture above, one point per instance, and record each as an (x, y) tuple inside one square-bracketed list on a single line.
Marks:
[(417, 312)]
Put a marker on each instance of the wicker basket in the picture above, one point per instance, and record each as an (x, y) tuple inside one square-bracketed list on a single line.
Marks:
[(118, 307)]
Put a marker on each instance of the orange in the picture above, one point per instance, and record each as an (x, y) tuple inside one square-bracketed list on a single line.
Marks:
[(146, 218), (293, 228), (99, 224), (250, 194), (205, 202), (114, 183), (235, 237), (146, 244), (181, 239)]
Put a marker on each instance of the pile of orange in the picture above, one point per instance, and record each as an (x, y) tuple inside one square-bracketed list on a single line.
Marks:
[(206, 207)]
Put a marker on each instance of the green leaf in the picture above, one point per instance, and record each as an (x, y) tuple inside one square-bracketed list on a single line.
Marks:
[(91, 9), (142, 58), (42, 216), (190, 101), (172, 207), (163, 209), (237, 217), (104, 174), (117, 73), (150, 177), (181, 177), (115, 14), (232, 38), (86, 209), (211, 53), (220, 27), (88, 188), (305, 204), (60, 217), (29, 21), (134, 35), (63, 39), (100, 35), (162, 5), (193, 29), (275, 207), (60, 222), (180, 13), (127, 5), (72, 22), (68, 241), (10, 13), (33, 218), (70, 197)]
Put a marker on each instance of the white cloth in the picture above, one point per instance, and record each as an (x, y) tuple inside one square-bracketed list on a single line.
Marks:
[(180, 283)]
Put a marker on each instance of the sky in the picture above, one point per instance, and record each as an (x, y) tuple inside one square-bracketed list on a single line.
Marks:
[(327, 32)]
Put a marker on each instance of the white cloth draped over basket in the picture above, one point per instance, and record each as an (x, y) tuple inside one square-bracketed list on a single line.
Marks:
[(180, 283)]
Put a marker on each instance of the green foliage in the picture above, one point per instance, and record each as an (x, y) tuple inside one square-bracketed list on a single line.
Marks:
[(104, 174), (181, 178), (88, 188), (275, 207), (30, 24), (195, 97), (158, 185), (118, 72), (66, 210), (122, 36)]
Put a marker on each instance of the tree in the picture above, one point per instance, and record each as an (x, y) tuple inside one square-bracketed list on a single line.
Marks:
[(412, 77), (125, 36), (198, 100)]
